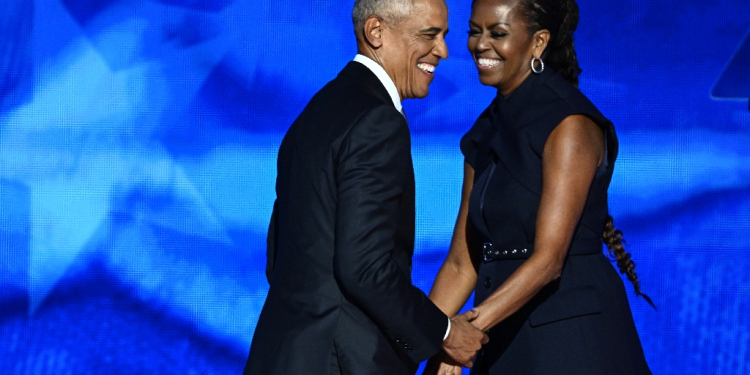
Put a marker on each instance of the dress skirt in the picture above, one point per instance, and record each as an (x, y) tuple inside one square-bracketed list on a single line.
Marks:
[(579, 324)]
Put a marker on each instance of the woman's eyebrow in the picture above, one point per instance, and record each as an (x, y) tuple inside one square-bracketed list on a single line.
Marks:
[(491, 26)]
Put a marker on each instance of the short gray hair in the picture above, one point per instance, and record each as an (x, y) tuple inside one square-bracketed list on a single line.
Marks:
[(391, 11)]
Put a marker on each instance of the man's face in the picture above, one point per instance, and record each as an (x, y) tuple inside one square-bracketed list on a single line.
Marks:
[(412, 50)]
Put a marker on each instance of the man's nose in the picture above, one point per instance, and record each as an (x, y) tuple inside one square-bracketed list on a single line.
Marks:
[(441, 50)]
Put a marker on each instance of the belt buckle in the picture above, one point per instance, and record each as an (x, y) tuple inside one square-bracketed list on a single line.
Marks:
[(487, 251)]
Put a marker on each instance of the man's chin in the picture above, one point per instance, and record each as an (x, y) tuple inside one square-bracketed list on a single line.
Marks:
[(422, 93)]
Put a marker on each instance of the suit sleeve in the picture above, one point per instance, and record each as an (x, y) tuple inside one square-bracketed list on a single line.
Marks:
[(374, 161), (271, 245)]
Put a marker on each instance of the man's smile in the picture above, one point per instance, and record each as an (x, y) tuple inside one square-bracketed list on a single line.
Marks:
[(427, 68)]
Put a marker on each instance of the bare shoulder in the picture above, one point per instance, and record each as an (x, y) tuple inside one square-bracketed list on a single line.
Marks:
[(576, 135)]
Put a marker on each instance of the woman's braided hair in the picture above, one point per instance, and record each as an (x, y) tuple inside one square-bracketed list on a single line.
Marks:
[(616, 245), (560, 18)]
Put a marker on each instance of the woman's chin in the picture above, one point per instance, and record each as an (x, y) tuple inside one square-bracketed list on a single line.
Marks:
[(487, 81)]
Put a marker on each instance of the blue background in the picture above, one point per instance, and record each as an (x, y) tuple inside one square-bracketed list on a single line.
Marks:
[(137, 163)]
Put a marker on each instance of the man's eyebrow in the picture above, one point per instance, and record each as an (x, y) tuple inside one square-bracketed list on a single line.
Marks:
[(434, 29)]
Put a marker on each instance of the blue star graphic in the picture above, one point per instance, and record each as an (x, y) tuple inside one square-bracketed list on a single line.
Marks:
[(86, 137)]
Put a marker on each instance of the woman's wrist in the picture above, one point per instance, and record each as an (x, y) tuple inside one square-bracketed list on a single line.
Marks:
[(482, 321)]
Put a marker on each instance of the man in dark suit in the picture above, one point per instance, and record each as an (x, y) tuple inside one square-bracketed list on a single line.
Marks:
[(341, 237)]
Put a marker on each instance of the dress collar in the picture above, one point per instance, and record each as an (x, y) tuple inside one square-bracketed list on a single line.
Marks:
[(525, 89), (508, 106)]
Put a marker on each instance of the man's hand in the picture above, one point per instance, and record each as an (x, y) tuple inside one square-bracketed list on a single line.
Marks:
[(464, 339)]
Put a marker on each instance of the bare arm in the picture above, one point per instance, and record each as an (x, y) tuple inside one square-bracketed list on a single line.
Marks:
[(458, 275), (571, 156)]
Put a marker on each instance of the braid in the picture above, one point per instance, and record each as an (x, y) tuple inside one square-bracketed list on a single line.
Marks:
[(616, 246), (560, 18), (562, 57)]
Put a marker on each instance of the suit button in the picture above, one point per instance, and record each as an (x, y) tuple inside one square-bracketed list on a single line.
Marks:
[(487, 282)]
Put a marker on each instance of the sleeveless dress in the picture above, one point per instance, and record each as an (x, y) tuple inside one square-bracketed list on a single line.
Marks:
[(580, 323)]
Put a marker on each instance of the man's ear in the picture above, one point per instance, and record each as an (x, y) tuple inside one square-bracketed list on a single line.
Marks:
[(373, 31)]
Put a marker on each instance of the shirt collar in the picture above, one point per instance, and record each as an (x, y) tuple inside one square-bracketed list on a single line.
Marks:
[(383, 77)]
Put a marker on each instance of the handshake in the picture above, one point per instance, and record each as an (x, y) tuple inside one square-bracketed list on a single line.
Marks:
[(459, 348)]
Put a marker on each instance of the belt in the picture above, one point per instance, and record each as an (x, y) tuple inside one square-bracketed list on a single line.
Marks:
[(491, 253)]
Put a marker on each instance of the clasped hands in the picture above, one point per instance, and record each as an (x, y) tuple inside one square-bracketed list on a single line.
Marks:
[(459, 348)]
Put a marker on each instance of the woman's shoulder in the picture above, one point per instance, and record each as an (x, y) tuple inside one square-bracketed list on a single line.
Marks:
[(570, 98)]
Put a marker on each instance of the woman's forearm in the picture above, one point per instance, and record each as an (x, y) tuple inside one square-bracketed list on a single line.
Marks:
[(457, 277), (452, 288), (515, 292)]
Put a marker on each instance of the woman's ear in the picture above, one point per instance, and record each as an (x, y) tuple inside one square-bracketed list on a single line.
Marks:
[(373, 31), (540, 40)]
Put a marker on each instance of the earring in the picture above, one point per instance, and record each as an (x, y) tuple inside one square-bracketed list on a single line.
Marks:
[(533, 65)]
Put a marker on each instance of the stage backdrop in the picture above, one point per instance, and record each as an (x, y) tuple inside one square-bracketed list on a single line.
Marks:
[(137, 164)]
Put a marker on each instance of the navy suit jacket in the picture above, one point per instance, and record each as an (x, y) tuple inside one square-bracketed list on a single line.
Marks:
[(341, 241)]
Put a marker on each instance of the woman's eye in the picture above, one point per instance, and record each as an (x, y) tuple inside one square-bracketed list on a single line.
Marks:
[(473, 32), (498, 35)]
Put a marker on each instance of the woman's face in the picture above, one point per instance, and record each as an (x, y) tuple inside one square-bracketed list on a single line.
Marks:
[(500, 43)]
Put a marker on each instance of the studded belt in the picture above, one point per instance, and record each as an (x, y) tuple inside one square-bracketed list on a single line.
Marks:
[(491, 253)]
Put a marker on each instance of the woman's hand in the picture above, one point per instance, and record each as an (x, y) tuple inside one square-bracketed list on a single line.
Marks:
[(448, 369), (441, 364)]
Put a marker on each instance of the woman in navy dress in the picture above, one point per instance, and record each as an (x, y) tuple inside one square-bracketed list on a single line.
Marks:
[(533, 216)]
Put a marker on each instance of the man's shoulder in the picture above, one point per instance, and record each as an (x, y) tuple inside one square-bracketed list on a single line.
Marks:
[(355, 88), (348, 108), (336, 109), (347, 98)]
